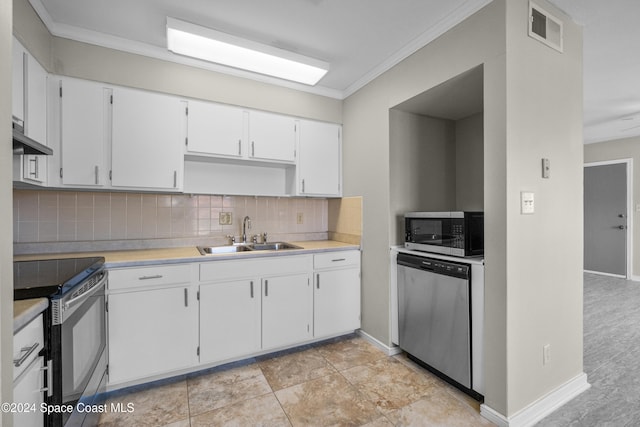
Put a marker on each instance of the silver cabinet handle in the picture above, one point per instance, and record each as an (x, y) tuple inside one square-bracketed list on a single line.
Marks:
[(318, 281), (26, 353), (157, 276), (303, 185), (186, 297), (251, 287), (46, 370), (35, 167), (253, 148), (266, 288), (338, 259), (175, 179), (239, 147), (97, 171)]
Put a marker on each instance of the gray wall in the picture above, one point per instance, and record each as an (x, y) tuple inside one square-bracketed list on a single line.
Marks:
[(470, 163), (532, 109), (421, 155), (626, 148), (6, 213)]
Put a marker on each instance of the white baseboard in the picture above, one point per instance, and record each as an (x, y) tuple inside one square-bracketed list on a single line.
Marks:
[(391, 351), (542, 407)]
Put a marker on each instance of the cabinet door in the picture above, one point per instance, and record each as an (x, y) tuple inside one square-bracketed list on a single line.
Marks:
[(229, 320), (152, 332), (148, 136), (27, 391), (215, 129), (320, 163), (35, 166), (272, 137), (286, 310), (336, 302), (19, 58), (84, 123)]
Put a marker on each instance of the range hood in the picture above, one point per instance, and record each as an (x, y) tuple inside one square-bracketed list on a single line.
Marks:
[(22, 144)]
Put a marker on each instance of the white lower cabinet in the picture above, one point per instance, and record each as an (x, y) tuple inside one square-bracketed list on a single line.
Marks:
[(287, 307), (28, 374), (179, 317), (336, 293), (153, 329), (229, 320)]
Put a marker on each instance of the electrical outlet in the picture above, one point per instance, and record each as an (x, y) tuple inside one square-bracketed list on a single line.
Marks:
[(225, 218), (300, 218), (546, 354)]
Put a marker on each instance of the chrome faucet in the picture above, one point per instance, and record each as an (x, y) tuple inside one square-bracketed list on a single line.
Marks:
[(245, 221)]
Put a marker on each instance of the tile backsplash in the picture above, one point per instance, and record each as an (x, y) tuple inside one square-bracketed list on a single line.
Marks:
[(44, 216)]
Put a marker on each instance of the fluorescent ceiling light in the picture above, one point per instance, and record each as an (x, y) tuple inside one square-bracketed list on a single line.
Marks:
[(210, 45)]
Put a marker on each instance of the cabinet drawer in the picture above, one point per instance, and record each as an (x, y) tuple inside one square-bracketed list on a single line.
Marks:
[(336, 259), (27, 343), (144, 277)]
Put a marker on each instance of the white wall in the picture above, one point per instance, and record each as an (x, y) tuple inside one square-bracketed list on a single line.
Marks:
[(626, 148), (470, 163), (6, 213)]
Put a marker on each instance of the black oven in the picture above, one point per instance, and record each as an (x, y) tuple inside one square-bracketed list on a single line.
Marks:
[(450, 233), (75, 334)]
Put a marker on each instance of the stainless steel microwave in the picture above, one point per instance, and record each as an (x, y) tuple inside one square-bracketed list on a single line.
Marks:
[(449, 233)]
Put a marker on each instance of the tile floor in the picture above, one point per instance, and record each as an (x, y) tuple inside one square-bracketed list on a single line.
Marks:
[(342, 382)]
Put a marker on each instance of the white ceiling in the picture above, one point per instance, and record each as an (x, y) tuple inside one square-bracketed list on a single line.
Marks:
[(363, 38)]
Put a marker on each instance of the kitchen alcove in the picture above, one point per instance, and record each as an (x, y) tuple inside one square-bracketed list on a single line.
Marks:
[(436, 150)]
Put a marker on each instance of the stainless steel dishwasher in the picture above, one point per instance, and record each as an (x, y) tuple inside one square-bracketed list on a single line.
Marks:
[(434, 307)]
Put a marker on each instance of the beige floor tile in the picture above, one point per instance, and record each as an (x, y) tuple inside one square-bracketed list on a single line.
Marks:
[(389, 384), (158, 406), (226, 387), (326, 401), (262, 411), (440, 409), (349, 353), (291, 369)]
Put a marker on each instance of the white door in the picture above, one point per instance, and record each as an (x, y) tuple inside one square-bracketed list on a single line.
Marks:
[(320, 158), (215, 129), (286, 310), (605, 218), (83, 127), (152, 332), (229, 320), (336, 302), (272, 137), (148, 140)]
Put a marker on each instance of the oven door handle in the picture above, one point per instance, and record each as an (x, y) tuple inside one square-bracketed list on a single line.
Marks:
[(73, 301)]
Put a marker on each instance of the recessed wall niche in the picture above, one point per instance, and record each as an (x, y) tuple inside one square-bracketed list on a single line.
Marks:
[(437, 149)]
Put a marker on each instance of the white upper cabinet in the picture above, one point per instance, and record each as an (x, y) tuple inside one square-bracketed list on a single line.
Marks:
[(216, 129), (84, 132), (319, 163), (29, 106), (17, 75), (149, 131), (272, 137)]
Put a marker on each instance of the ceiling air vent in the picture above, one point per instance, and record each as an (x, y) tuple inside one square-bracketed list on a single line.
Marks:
[(545, 27)]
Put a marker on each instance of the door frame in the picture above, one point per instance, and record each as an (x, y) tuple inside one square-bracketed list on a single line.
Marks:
[(629, 231)]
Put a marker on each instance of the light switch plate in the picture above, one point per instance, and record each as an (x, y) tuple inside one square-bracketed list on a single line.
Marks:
[(527, 203), (546, 168)]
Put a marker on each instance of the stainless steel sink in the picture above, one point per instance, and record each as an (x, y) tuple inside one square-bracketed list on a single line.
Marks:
[(230, 249), (273, 246), (210, 250)]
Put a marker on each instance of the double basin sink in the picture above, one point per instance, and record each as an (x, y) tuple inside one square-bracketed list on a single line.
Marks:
[(246, 247)]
